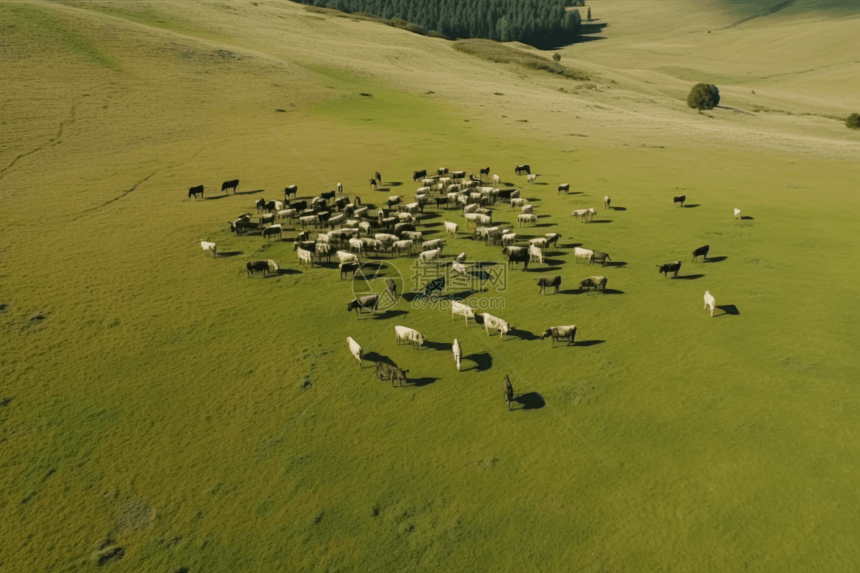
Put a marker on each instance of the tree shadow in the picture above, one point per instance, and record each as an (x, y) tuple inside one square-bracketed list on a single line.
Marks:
[(483, 361), (391, 314), (693, 206), (715, 259), (229, 254), (729, 309), (746, 218), (522, 334), (687, 277), (254, 192), (438, 345), (530, 401), (586, 343)]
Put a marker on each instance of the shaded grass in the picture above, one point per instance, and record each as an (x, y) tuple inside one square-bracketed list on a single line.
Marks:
[(501, 54)]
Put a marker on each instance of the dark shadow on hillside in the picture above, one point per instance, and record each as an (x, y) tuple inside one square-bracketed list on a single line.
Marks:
[(530, 401), (483, 361), (729, 309), (686, 277), (229, 254), (254, 192), (715, 259), (587, 343)]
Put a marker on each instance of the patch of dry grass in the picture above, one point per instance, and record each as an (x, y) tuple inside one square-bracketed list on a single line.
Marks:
[(501, 54)]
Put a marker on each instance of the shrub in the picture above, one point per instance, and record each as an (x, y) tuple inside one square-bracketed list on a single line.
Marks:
[(556, 57), (704, 96), (853, 121)]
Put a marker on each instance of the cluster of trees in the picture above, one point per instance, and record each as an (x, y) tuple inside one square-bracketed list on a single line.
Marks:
[(540, 23), (704, 96)]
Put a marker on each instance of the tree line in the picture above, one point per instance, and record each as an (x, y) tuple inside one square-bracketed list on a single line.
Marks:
[(540, 23)]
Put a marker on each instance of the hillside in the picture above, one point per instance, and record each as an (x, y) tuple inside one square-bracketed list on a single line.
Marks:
[(162, 411)]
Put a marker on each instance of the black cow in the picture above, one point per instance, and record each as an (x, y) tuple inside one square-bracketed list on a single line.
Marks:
[(476, 179), (386, 371), (257, 266), (563, 187), (434, 286), (520, 257), (303, 236), (306, 245), (261, 205), (291, 190), (441, 201), (520, 169), (357, 201), (393, 202), (485, 171), (549, 282), (702, 252), (341, 203), (378, 177), (458, 175), (509, 392), (373, 183), (195, 190), (672, 267), (270, 206), (271, 232), (442, 171), (679, 200), (346, 268), (600, 257), (299, 206), (328, 194), (232, 184), (362, 304), (506, 194), (416, 175)]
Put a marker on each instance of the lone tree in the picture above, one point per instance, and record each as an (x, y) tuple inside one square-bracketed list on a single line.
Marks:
[(853, 121), (704, 96), (589, 13)]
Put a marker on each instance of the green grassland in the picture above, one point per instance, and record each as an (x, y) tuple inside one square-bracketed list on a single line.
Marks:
[(160, 401)]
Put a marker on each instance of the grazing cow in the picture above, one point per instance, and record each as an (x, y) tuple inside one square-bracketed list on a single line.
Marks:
[(195, 190), (232, 184), (549, 282), (552, 239), (600, 257), (535, 254), (434, 244), (509, 392), (563, 187), (267, 267), (679, 200), (307, 257), (496, 180), (672, 267), (527, 209), (520, 169), (561, 333), (261, 205), (460, 309), (710, 302), (485, 171), (531, 178), (416, 175), (267, 219), (290, 190), (345, 257), (355, 349), (328, 195), (581, 214), (508, 239), (306, 245), (428, 256), (388, 372), (606, 201), (274, 230), (496, 323), (402, 333), (597, 283), (458, 352), (702, 252), (299, 205), (210, 248), (737, 211), (442, 171), (373, 184), (363, 304), (580, 253), (526, 218), (458, 175), (436, 285), (400, 246), (346, 268)]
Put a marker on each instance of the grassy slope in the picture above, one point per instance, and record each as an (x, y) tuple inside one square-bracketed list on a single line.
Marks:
[(156, 402)]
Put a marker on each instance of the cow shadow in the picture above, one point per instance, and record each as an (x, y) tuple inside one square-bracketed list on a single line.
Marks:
[(391, 314), (523, 334), (542, 269), (432, 224), (618, 208), (530, 401), (600, 222), (215, 197), (254, 192), (420, 381), (430, 232), (746, 218), (729, 309), (282, 272), (555, 263), (544, 216), (445, 346), (431, 216), (586, 343), (229, 254), (374, 357), (394, 183), (545, 224), (693, 206), (483, 361), (616, 264), (557, 254), (540, 183), (715, 259), (571, 245), (687, 277)]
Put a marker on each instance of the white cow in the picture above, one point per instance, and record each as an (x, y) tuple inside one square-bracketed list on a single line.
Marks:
[(323, 250), (508, 239), (355, 246), (496, 180), (423, 190), (591, 213), (210, 248), (496, 323), (410, 335), (461, 258), (452, 228), (531, 177), (483, 219), (737, 213), (345, 257), (413, 236), (305, 257), (427, 182), (386, 238), (458, 353), (581, 214), (458, 268), (526, 218), (355, 347), (517, 202), (528, 209), (400, 246), (535, 254), (580, 253), (337, 220), (471, 209), (540, 242), (286, 214), (433, 245), (309, 220), (361, 212), (460, 309), (710, 302), (428, 256), (339, 188), (606, 201)]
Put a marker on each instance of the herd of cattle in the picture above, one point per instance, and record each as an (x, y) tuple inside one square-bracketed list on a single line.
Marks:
[(350, 231)]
